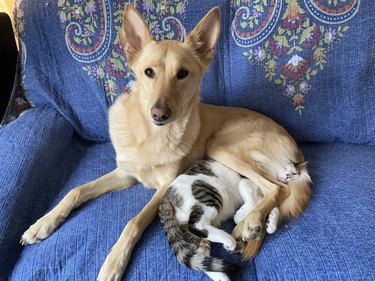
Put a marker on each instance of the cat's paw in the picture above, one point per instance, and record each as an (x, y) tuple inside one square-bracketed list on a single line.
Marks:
[(230, 244), (217, 276), (272, 221), (240, 247)]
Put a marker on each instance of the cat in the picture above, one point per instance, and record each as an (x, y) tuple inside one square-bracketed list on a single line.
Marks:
[(290, 172), (196, 203), (283, 171)]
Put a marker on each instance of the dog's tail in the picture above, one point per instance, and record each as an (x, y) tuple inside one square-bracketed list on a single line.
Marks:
[(299, 196), (292, 206), (190, 250), (252, 247)]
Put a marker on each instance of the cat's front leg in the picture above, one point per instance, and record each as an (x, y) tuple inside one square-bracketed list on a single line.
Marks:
[(249, 194), (242, 212), (217, 235)]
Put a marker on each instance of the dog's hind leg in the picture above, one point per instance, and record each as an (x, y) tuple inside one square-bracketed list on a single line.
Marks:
[(274, 192), (44, 226), (118, 258)]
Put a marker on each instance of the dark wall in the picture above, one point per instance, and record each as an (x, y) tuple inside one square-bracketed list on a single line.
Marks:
[(8, 58)]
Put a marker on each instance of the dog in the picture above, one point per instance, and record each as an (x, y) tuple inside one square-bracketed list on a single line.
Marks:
[(161, 128)]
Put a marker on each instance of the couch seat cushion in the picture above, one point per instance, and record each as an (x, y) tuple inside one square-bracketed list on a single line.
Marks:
[(333, 239)]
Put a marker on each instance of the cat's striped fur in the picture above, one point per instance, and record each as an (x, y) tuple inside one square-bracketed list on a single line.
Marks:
[(199, 200)]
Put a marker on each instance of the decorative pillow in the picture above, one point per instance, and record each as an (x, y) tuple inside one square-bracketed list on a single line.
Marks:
[(307, 64)]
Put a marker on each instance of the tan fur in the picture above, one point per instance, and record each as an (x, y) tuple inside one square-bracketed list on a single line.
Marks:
[(247, 142)]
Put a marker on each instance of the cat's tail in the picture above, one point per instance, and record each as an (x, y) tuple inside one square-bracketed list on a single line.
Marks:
[(190, 249)]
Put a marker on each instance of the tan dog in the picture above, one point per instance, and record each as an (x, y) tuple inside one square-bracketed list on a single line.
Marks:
[(161, 128)]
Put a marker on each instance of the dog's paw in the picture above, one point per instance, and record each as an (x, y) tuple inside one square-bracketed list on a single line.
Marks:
[(230, 245), (105, 275), (40, 230), (113, 267), (252, 227), (237, 231), (272, 221)]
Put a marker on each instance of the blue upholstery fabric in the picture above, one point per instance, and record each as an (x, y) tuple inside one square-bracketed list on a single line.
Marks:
[(332, 240), (31, 147), (314, 75), (321, 91), (308, 64), (78, 248)]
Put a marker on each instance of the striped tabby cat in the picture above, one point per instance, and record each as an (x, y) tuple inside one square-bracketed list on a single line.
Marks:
[(196, 203)]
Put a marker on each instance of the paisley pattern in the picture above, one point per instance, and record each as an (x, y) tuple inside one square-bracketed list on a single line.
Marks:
[(19, 19), (92, 29), (164, 17), (253, 23), (291, 39), (337, 11), (88, 35)]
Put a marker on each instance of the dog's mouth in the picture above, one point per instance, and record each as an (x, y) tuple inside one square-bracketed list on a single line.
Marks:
[(161, 123)]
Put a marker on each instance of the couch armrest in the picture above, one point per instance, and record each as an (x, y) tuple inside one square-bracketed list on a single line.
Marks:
[(29, 148)]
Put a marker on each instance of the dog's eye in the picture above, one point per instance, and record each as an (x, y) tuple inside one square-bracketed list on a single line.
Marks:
[(149, 72), (182, 74)]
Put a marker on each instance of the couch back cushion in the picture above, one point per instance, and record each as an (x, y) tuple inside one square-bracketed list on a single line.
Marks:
[(308, 64)]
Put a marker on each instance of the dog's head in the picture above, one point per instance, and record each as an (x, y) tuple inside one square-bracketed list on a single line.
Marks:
[(168, 73)]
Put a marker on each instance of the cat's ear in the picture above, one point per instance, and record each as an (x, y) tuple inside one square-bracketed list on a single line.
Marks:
[(301, 165)]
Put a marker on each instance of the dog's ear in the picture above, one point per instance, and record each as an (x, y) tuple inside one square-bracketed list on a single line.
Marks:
[(205, 35), (134, 33)]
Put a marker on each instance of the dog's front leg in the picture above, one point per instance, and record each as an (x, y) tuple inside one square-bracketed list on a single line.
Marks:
[(118, 258), (44, 226)]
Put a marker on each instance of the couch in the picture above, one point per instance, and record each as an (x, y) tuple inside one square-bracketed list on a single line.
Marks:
[(310, 65)]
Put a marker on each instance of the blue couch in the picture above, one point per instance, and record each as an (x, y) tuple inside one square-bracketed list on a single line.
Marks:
[(310, 65)]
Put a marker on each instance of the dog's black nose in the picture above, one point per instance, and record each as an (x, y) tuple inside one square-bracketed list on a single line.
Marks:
[(160, 114)]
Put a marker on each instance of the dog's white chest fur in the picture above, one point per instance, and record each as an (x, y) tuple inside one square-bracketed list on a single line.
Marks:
[(152, 155)]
